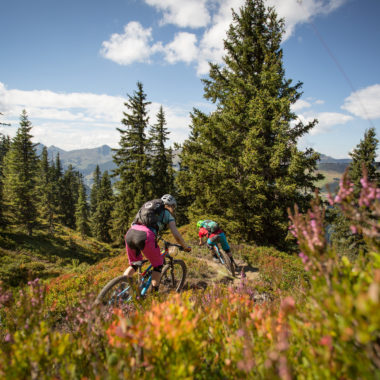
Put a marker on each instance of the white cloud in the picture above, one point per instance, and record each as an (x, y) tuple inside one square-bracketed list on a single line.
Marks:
[(364, 103), (182, 48), (78, 120), (214, 16), (326, 121), (183, 13), (131, 46), (44, 104), (299, 105), (297, 12), (211, 47)]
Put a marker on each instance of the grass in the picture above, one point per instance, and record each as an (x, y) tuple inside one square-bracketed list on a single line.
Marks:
[(330, 182), (23, 257)]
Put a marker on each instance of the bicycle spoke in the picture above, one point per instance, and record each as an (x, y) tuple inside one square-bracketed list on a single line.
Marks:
[(117, 292), (173, 277)]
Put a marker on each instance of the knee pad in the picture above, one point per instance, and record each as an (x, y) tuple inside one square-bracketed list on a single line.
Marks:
[(158, 269)]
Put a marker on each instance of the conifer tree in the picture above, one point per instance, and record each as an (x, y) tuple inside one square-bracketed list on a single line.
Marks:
[(57, 180), (133, 186), (4, 147), (241, 162), (161, 157), (82, 211), (58, 172), (170, 184), (102, 217), (20, 171), (71, 183), (96, 176), (46, 188), (364, 155)]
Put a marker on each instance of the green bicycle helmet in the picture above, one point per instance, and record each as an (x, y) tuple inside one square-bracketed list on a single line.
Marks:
[(199, 223)]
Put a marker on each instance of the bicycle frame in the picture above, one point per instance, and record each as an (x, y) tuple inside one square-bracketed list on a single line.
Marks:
[(145, 283), (219, 255), (121, 289)]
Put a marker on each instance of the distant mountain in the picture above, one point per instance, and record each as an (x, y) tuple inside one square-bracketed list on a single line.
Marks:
[(338, 165), (83, 160), (330, 160)]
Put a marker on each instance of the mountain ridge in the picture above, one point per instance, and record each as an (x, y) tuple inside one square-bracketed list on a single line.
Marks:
[(85, 160)]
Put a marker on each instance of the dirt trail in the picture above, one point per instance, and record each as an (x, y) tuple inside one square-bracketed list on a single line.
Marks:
[(218, 273)]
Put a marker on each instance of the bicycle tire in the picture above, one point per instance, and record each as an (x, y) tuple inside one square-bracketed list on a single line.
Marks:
[(227, 262), (126, 292), (173, 278)]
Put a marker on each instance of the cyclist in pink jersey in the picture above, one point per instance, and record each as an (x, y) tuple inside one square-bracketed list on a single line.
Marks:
[(141, 238)]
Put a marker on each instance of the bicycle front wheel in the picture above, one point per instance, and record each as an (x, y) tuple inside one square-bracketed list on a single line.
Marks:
[(117, 292), (173, 277), (226, 261)]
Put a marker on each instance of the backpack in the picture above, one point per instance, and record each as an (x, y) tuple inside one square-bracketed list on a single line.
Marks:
[(151, 213), (210, 226)]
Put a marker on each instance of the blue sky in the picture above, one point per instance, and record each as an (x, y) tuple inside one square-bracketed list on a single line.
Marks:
[(71, 64)]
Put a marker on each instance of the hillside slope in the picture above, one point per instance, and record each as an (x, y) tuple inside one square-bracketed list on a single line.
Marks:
[(23, 257)]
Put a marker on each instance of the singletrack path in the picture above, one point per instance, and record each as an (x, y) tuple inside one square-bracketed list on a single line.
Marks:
[(213, 273)]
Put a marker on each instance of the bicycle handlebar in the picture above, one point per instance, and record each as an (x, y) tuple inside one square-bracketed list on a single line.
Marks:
[(168, 244)]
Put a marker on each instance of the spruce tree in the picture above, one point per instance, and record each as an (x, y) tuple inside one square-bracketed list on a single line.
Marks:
[(102, 217), (82, 212), (241, 162), (364, 155), (133, 186), (71, 183), (161, 159), (96, 176), (57, 180), (20, 170), (46, 189), (4, 147)]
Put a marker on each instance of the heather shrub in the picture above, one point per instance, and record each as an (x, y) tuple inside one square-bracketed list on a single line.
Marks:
[(324, 328), (340, 317)]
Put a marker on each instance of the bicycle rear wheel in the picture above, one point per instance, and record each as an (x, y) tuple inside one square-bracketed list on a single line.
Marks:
[(117, 292), (173, 277), (226, 261)]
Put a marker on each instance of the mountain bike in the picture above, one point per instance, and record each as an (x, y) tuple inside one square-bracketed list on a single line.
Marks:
[(225, 260), (123, 289)]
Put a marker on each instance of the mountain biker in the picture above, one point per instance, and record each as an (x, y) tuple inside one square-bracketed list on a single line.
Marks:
[(213, 238), (141, 238)]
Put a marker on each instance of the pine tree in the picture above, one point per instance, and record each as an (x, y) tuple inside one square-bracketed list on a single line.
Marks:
[(161, 157), (5, 143), (57, 180), (364, 155), (46, 188), (102, 217), (71, 183), (82, 212), (133, 186), (241, 162), (96, 176), (20, 171)]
